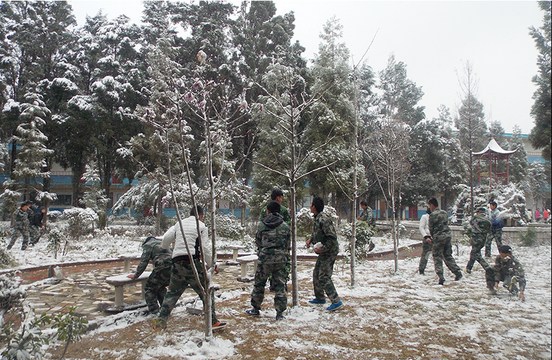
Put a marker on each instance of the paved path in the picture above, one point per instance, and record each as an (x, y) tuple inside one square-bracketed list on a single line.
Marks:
[(84, 286)]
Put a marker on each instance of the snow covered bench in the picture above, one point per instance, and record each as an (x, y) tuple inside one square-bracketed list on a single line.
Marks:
[(235, 252), (119, 282), (244, 261)]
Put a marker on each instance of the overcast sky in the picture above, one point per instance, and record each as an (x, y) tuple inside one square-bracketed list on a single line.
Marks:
[(434, 39)]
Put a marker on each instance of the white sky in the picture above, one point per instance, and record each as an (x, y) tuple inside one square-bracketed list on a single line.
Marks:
[(434, 39)]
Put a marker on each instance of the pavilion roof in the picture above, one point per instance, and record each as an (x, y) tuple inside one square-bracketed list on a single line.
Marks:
[(493, 149)]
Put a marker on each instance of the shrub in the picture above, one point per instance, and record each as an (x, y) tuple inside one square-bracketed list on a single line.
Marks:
[(364, 233), (529, 237)]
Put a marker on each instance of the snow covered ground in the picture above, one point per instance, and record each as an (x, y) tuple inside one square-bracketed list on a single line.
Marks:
[(387, 315)]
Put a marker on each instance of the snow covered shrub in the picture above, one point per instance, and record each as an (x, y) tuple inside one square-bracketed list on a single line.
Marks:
[(11, 294), (364, 233), (509, 198), (70, 327), (56, 239), (229, 227), (6, 260), (25, 342), (529, 237), (304, 221), (81, 221)]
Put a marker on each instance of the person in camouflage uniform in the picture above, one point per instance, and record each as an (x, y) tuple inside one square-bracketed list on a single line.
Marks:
[(278, 196), (324, 240), (366, 216), (156, 285), (510, 271), (273, 245), (21, 218), (182, 273), (480, 227), (496, 229), (441, 237)]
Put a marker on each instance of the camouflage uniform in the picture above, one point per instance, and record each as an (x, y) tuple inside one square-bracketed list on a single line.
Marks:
[(366, 215), (442, 248), (287, 219), (496, 232), (480, 229), (21, 227), (156, 285), (182, 274), (509, 270), (182, 277), (273, 245), (324, 232), (283, 211)]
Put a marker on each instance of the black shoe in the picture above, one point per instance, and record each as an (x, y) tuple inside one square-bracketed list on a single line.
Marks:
[(441, 281), (421, 272), (23, 248), (468, 271), (279, 316), (458, 276), (253, 312)]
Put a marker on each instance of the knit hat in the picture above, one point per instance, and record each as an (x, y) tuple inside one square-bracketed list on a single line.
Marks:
[(505, 249), (481, 209)]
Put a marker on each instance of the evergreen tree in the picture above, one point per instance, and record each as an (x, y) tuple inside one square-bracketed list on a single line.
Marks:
[(30, 166), (330, 129), (400, 95), (518, 160), (496, 131), (542, 107)]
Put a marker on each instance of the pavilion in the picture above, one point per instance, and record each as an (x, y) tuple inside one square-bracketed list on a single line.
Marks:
[(492, 154)]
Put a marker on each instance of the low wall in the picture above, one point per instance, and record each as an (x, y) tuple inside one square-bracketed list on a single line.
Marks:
[(510, 234)]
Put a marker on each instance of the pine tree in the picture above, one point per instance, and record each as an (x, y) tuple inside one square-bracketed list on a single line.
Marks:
[(542, 107), (518, 160), (400, 96)]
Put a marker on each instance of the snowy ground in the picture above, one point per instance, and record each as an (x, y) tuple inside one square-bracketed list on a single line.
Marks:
[(387, 315)]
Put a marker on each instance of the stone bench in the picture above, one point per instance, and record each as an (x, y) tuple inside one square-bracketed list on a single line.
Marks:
[(119, 282), (244, 261), (235, 253)]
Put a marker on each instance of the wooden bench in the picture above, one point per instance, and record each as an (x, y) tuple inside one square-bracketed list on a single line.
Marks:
[(119, 282), (244, 261)]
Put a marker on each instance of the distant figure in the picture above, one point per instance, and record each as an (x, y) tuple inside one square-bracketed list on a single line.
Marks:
[(156, 285), (480, 231), (497, 223), (273, 245), (546, 215), (365, 213), (324, 239), (427, 244), (510, 271), (366, 217), (278, 196), (441, 237), (37, 222), (537, 215), (21, 226)]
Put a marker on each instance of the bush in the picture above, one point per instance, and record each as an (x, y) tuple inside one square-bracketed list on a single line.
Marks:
[(529, 237), (364, 233)]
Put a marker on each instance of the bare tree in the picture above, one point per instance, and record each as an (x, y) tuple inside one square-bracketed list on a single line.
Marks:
[(282, 105), (389, 155)]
